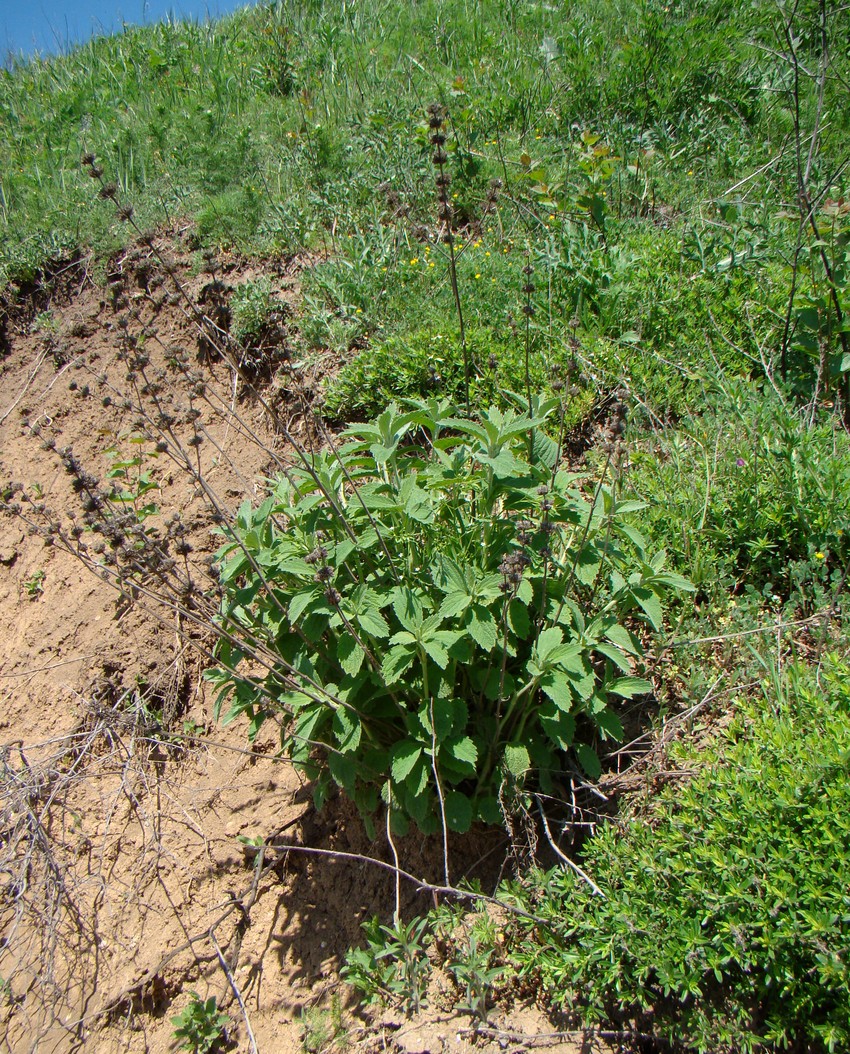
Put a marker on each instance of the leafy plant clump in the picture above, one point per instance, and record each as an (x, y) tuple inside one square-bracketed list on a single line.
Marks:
[(725, 917), (201, 1026), (440, 612), (428, 361)]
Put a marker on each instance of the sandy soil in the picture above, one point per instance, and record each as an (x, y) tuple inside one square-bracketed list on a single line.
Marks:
[(127, 882)]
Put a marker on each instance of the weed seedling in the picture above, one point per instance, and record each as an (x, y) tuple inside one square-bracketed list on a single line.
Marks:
[(34, 585), (201, 1026)]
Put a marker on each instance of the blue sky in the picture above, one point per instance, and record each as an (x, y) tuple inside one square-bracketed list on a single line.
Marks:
[(49, 26)]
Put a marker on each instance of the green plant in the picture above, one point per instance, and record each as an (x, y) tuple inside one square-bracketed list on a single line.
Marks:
[(755, 492), (201, 1026), (251, 307), (34, 585), (137, 480), (473, 970), (394, 965), (438, 620), (322, 1029), (426, 362), (725, 920)]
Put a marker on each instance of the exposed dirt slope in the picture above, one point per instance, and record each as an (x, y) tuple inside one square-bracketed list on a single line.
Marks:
[(126, 880)]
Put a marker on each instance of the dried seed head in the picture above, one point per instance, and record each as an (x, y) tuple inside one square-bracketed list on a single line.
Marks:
[(109, 191), (440, 156), (124, 212)]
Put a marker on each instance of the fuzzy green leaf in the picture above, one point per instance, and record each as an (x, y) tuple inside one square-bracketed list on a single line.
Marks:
[(396, 661), (651, 605), (589, 760), (558, 689), (343, 769), (519, 619), (454, 604), (404, 757), (517, 760), (458, 812), (347, 729), (482, 627), (629, 687), (463, 750), (547, 641), (608, 722), (558, 726), (350, 655)]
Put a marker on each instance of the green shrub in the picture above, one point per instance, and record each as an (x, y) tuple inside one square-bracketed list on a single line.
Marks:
[(427, 362), (251, 307), (726, 917), (437, 620)]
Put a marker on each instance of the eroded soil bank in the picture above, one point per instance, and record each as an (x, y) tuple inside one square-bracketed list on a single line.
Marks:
[(128, 876)]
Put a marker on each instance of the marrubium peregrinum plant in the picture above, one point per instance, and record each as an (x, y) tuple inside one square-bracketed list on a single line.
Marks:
[(454, 614)]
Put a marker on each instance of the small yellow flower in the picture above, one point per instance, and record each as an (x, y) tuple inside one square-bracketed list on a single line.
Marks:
[(487, 252), (819, 555), (431, 263), (414, 261), (478, 276)]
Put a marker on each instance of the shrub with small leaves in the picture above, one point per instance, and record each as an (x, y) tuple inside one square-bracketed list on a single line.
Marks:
[(725, 918), (437, 612)]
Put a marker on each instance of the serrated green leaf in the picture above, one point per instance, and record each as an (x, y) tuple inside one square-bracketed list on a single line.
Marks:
[(343, 769), (620, 636), (629, 687), (519, 619), (613, 653), (674, 581), (558, 689), (588, 564), (347, 729), (516, 758), (458, 810), (547, 641), (608, 722), (650, 604), (463, 750), (436, 651), (408, 608), (299, 603), (396, 661), (453, 604), (404, 757), (373, 623), (589, 760), (350, 655), (482, 627), (558, 726)]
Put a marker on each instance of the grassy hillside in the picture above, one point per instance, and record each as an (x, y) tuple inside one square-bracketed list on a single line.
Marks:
[(629, 221)]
